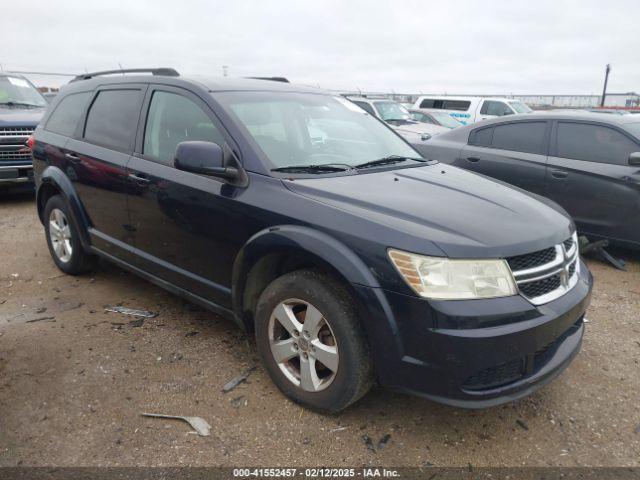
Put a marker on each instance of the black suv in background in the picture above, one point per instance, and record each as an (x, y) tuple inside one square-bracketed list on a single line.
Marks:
[(21, 108), (314, 225), (589, 163)]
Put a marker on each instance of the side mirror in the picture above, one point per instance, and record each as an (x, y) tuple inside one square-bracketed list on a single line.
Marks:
[(634, 158), (206, 158)]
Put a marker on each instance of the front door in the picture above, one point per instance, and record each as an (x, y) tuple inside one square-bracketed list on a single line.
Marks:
[(183, 223), (589, 175)]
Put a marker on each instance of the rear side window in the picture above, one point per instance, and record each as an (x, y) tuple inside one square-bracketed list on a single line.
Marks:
[(173, 119), (68, 113), (527, 137), (113, 118), (445, 104), (490, 107), (594, 143)]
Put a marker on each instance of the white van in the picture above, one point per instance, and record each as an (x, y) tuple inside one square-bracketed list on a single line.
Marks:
[(471, 109)]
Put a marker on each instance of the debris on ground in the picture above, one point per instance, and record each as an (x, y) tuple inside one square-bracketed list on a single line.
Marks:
[(191, 334), (598, 248), (383, 441), (40, 319), (522, 425), (367, 441), (136, 323), (200, 425), (131, 311), (231, 384), (41, 309), (338, 429), (240, 401)]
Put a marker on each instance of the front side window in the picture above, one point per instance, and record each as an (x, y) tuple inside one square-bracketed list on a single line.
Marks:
[(390, 111), (366, 107), (68, 113), (497, 109), (526, 137), (173, 119), (311, 129), (18, 92), (113, 119), (594, 143), (421, 117), (520, 107)]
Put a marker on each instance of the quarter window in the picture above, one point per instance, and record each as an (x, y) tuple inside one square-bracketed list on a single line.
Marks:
[(113, 119), (67, 114), (444, 104), (481, 137), (173, 119), (594, 143)]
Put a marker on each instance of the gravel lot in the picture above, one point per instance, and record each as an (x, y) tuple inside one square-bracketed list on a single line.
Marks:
[(72, 387)]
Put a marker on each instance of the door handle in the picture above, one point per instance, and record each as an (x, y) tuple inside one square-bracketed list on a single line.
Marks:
[(472, 159), (559, 174), (138, 179), (71, 157)]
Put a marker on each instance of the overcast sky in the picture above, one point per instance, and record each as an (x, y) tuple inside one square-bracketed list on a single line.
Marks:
[(451, 46)]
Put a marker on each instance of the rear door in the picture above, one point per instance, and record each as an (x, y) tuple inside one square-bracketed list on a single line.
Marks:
[(96, 161), (514, 152), (589, 175), (184, 224)]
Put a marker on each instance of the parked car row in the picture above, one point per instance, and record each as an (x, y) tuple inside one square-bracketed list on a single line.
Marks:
[(315, 226), (589, 163)]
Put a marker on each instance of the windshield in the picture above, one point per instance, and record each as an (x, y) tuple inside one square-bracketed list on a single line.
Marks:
[(311, 129), (392, 111), (520, 107), (16, 90), (446, 120)]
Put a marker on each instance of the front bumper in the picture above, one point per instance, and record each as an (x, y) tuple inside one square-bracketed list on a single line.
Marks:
[(19, 174), (480, 353)]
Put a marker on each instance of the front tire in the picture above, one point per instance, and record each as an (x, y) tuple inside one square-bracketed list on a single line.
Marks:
[(63, 239), (312, 342)]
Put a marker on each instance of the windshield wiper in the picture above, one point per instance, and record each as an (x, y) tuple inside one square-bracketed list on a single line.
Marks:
[(19, 104), (388, 161), (323, 168)]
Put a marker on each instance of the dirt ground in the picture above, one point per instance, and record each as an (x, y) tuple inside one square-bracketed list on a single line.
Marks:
[(74, 380)]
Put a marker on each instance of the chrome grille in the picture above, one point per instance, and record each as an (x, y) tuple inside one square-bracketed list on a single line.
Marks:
[(522, 262), (547, 274), (16, 131), (14, 155)]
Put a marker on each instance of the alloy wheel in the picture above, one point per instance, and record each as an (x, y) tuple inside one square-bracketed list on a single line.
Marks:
[(303, 345), (60, 235)]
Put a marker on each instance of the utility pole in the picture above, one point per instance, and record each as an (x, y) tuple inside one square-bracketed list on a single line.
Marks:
[(606, 79)]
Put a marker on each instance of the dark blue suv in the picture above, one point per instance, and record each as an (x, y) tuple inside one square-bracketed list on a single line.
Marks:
[(21, 108), (315, 226)]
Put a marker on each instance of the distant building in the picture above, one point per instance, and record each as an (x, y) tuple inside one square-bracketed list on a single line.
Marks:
[(630, 99)]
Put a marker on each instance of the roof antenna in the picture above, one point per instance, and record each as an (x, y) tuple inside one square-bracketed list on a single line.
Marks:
[(121, 67)]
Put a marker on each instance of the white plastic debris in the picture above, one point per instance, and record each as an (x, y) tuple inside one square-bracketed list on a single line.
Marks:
[(200, 425), (131, 311)]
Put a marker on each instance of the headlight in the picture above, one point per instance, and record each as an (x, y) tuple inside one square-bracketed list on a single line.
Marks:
[(446, 279)]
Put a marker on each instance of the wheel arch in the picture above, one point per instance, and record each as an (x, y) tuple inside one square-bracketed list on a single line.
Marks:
[(279, 250), (54, 181)]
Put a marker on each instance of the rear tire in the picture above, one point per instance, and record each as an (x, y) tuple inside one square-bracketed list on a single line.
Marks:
[(63, 239), (312, 342)]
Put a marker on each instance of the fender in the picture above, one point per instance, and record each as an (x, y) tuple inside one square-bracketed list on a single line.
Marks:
[(382, 322), (55, 177)]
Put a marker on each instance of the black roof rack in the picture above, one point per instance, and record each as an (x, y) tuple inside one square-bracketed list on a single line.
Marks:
[(167, 72), (273, 79)]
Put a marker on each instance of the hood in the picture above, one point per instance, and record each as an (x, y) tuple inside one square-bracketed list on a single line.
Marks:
[(463, 214), (20, 117)]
